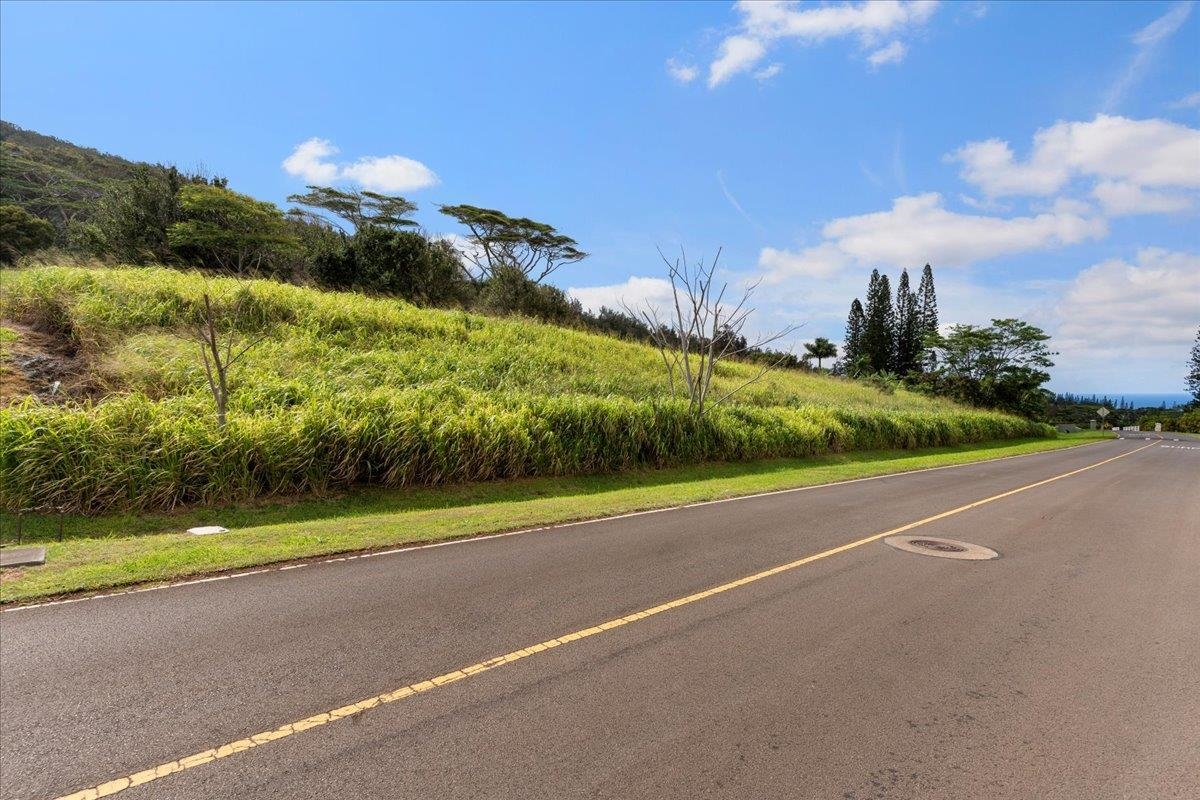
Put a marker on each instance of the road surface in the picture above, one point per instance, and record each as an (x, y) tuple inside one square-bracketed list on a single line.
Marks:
[(1067, 668)]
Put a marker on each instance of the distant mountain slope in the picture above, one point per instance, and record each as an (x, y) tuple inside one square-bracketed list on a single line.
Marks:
[(54, 179)]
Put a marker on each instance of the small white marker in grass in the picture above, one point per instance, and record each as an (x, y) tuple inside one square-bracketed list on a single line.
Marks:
[(206, 530)]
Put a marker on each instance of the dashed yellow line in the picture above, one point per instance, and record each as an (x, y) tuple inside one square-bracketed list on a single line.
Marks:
[(116, 785)]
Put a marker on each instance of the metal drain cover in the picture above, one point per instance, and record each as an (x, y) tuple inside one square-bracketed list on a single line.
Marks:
[(942, 548)]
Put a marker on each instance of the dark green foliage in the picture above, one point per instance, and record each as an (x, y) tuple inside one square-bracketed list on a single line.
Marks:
[(359, 209), (927, 310), (908, 333), (510, 291), (21, 233), (878, 339), (1001, 366), (400, 263), (132, 216), (820, 349), (498, 240), (852, 350), (222, 229), (1193, 375)]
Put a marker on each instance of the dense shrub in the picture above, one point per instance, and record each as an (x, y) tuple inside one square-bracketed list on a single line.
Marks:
[(400, 263), (131, 453)]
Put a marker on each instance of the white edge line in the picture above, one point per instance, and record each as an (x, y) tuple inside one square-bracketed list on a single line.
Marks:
[(468, 539)]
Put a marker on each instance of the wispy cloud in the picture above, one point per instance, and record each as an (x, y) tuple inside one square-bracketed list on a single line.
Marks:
[(892, 53), (1148, 40), (768, 72), (312, 160), (734, 202), (684, 73), (764, 23), (1191, 101)]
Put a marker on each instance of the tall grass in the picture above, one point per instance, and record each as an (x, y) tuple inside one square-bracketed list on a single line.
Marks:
[(350, 390)]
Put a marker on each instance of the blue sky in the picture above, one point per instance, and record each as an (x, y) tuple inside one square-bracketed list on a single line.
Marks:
[(1045, 158)]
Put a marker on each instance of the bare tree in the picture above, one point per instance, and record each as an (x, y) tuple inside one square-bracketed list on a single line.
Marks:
[(701, 330), (217, 335)]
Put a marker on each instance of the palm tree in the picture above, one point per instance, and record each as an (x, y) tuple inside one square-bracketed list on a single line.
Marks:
[(820, 349)]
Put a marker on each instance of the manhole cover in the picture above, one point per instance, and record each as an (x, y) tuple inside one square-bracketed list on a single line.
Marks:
[(936, 544), (941, 548)]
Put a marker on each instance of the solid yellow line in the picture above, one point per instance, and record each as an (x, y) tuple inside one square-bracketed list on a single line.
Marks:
[(241, 745)]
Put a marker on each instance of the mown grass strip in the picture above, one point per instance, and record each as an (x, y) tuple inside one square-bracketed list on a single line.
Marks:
[(159, 551)]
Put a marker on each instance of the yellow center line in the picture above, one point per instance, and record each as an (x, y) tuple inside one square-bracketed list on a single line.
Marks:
[(116, 785)]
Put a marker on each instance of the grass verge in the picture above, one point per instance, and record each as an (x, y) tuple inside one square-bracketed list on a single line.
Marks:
[(108, 552)]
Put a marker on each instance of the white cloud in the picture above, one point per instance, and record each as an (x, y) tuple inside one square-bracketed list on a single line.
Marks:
[(1119, 308), (684, 73), (763, 23), (1191, 101), (821, 261), (893, 53), (1147, 40), (768, 72), (634, 293), (390, 174), (1151, 152), (919, 229), (1122, 197), (737, 54), (311, 160)]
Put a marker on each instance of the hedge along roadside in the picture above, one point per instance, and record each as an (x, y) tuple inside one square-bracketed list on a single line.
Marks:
[(130, 453)]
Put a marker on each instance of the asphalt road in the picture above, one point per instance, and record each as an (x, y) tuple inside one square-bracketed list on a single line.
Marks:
[(1067, 668)]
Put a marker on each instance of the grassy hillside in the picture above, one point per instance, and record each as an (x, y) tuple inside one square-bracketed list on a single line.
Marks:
[(52, 178), (349, 390)]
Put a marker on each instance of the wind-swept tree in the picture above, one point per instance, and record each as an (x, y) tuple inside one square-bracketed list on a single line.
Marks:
[(1193, 376), (820, 349), (359, 209), (878, 339), (908, 329), (500, 241)]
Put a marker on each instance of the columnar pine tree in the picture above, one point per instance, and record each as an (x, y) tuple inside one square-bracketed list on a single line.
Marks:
[(854, 331), (1193, 376), (878, 340), (927, 310), (908, 329)]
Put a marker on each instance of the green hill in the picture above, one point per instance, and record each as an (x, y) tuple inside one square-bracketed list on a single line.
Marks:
[(54, 179), (345, 389)]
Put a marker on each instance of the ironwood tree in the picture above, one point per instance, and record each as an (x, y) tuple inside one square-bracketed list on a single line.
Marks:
[(908, 334), (878, 339), (852, 348)]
